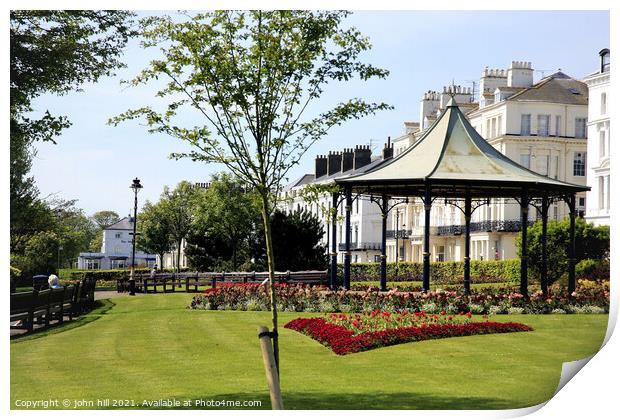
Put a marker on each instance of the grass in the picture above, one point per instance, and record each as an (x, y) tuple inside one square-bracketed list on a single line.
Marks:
[(151, 347)]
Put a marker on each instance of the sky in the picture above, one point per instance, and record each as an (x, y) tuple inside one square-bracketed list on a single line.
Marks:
[(423, 50)]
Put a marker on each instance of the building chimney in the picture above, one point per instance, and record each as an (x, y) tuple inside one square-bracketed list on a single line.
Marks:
[(320, 166), (347, 160), (334, 162), (388, 149), (362, 156), (520, 74)]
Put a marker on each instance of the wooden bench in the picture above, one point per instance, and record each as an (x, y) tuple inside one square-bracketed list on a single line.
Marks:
[(41, 307), (308, 277), (56, 300), (22, 305)]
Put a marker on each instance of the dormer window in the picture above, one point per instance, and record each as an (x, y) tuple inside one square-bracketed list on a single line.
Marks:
[(605, 60)]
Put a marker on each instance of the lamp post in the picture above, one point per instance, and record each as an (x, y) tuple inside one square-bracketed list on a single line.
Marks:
[(136, 187)]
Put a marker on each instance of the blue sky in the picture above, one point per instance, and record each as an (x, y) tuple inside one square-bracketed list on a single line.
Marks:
[(95, 163)]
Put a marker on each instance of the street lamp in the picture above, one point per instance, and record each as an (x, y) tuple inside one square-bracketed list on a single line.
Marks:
[(136, 187)]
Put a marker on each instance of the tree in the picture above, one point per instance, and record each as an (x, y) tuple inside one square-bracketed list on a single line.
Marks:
[(591, 242), (227, 212), (208, 252), (105, 218), (40, 254), (176, 208), (253, 77), (297, 239), (56, 51), (74, 229), (52, 51), (155, 230)]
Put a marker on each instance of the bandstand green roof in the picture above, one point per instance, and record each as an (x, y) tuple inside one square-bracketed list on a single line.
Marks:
[(456, 161)]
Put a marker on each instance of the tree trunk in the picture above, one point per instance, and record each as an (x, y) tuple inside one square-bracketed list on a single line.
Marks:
[(272, 287)]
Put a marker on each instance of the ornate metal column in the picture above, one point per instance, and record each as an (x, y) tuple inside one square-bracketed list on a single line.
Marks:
[(571, 246), (466, 259), (347, 242), (383, 269), (524, 210), (426, 271), (333, 275), (544, 214)]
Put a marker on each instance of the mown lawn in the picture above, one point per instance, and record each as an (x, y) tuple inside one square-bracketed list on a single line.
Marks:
[(151, 347)]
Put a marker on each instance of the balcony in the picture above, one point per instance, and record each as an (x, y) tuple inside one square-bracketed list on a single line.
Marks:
[(361, 246), (485, 226), (400, 234)]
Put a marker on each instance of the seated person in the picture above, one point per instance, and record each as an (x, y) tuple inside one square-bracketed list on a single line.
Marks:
[(53, 282)]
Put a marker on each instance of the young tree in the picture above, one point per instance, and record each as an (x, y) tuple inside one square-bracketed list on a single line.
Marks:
[(155, 230), (254, 77)]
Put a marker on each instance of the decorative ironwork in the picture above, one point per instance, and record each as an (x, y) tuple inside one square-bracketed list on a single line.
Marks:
[(398, 234), (484, 226), (360, 246)]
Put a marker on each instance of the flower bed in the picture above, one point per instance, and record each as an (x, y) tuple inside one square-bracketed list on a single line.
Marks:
[(590, 297), (351, 334)]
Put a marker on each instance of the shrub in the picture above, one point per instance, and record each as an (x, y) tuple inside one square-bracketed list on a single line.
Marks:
[(590, 297), (592, 269), (450, 272)]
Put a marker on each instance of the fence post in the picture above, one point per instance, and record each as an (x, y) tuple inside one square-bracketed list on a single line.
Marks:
[(273, 380)]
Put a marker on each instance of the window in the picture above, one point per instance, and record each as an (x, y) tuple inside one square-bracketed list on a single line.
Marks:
[(440, 253), (601, 144), (488, 128), (601, 192), (543, 125), (525, 161), (117, 235), (499, 126), (526, 120), (603, 103), (558, 125), (494, 127), (579, 164), (92, 264), (556, 215), (580, 128), (543, 165), (582, 201)]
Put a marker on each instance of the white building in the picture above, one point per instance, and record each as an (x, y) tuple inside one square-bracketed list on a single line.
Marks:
[(365, 215), (116, 249), (597, 205), (540, 125)]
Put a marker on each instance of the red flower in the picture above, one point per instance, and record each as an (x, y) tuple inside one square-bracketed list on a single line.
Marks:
[(343, 341)]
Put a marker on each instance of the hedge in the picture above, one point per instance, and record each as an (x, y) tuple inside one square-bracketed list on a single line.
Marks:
[(106, 275), (450, 272)]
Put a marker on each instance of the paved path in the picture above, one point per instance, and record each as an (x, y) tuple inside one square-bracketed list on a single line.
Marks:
[(106, 294)]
